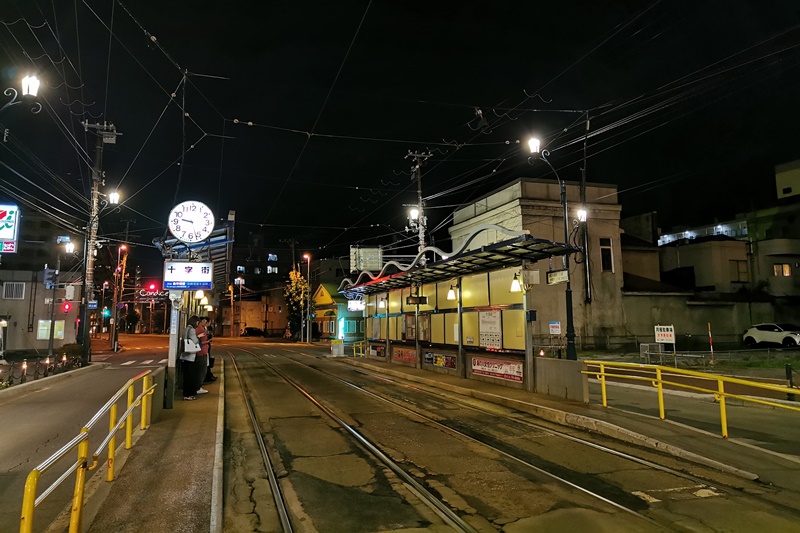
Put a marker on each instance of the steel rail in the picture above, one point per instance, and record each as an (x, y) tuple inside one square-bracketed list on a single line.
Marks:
[(436, 504), (277, 493)]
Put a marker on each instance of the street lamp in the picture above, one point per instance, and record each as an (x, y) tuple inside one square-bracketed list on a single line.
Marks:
[(119, 275), (534, 146), (30, 89), (307, 257), (239, 281)]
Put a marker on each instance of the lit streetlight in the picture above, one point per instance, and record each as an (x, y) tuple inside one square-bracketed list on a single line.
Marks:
[(534, 145), (30, 89), (307, 257)]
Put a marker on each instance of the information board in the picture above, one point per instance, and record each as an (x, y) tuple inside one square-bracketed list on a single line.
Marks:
[(187, 275)]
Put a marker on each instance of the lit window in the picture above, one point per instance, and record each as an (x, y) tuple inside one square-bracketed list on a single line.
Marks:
[(272, 257), (782, 270), (256, 270), (240, 269), (606, 255)]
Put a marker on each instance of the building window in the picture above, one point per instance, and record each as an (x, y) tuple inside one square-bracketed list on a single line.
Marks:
[(782, 270), (256, 270), (14, 290), (272, 270), (738, 270), (606, 255), (272, 257), (332, 327), (240, 269)]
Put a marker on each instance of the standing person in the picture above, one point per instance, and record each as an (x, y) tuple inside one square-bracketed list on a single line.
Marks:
[(209, 374), (202, 355), (189, 367)]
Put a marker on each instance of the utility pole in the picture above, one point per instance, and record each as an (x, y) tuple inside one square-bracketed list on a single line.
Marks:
[(106, 134), (421, 220), (587, 272)]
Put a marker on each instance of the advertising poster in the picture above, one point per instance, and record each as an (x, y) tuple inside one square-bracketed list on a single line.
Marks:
[(440, 360), (507, 370), (405, 355)]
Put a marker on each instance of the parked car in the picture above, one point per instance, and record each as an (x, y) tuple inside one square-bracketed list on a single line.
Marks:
[(787, 335), (252, 332)]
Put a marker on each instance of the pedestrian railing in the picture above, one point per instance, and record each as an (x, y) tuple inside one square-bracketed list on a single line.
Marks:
[(80, 443), (359, 348), (659, 376)]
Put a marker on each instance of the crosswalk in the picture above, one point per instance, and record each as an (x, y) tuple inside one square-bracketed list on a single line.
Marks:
[(143, 363)]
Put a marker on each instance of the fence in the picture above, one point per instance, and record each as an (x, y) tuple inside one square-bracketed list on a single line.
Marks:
[(659, 376), (21, 371), (80, 443)]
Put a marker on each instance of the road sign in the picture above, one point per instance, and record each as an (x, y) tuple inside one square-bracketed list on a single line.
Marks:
[(92, 304), (665, 334)]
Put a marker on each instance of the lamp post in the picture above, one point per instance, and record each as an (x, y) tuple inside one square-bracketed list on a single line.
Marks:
[(239, 281), (534, 146), (307, 257), (118, 276)]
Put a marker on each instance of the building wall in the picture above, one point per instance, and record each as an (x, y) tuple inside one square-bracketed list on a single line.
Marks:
[(535, 205), (769, 253), (642, 262), (25, 316), (711, 261)]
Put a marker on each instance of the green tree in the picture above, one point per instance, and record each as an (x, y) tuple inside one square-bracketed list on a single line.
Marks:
[(296, 296)]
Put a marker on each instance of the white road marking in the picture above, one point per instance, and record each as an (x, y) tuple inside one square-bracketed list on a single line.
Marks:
[(677, 493), (163, 361), (126, 363), (146, 362)]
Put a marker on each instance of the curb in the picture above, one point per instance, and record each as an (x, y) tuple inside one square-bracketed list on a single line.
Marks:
[(41, 383), (564, 418)]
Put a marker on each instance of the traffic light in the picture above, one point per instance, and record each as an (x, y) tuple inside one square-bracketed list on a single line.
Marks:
[(106, 312), (152, 287), (66, 306)]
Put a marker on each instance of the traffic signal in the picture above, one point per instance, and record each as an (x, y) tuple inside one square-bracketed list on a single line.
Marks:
[(66, 306), (152, 287), (50, 277), (106, 312)]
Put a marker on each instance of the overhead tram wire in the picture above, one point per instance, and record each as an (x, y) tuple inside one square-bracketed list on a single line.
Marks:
[(319, 115)]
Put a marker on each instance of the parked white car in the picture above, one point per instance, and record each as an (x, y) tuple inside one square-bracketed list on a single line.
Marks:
[(787, 335)]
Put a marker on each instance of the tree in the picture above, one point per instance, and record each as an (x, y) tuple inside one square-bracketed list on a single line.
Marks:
[(131, 319), (296, 296)]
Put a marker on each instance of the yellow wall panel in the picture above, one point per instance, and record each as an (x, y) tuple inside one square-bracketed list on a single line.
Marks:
[(393, 328), (444, 303), (514, 329), (450, 326), (475, 291), (501, 284), (428, 290), (437, 328), (470, 336)]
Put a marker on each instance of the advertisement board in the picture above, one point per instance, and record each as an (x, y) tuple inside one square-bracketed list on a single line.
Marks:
[(507, 370), (9, 227)]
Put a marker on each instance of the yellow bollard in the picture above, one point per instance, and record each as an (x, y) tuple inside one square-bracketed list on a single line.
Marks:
[(29, 502), (603, 384), (145, 400), (129, 421), (80, 482), (660, 395), (723, 416), (112, 444)]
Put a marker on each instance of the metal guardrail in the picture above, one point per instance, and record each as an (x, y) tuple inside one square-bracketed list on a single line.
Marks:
[(81, 442), (663, 375), (359, 349)]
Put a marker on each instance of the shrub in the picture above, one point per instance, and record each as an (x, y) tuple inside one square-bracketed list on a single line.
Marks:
[(72, 350)]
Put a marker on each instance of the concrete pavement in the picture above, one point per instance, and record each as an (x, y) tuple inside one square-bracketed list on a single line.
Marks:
[(171, 479)]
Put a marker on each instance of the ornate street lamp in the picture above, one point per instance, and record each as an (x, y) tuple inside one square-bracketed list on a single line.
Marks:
[(30, 89)]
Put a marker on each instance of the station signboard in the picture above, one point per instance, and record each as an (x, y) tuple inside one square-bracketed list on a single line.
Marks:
[(188, 275)]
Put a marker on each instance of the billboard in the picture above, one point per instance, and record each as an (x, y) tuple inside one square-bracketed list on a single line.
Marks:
[(9, 227), (188, 276)]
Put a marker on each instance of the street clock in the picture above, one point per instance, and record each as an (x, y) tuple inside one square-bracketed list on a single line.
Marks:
[(191, 221)]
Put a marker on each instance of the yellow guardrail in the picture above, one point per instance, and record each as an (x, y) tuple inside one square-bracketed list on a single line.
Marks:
[(81, 442), (359, 348), (662, 375)]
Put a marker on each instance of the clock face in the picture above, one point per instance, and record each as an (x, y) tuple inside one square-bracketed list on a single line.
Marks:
[(191, 221)]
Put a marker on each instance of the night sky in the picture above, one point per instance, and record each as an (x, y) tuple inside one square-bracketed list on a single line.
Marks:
[(692, 104)]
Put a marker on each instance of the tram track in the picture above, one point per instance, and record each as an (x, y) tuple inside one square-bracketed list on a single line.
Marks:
[(408, 478), (425, 496)]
